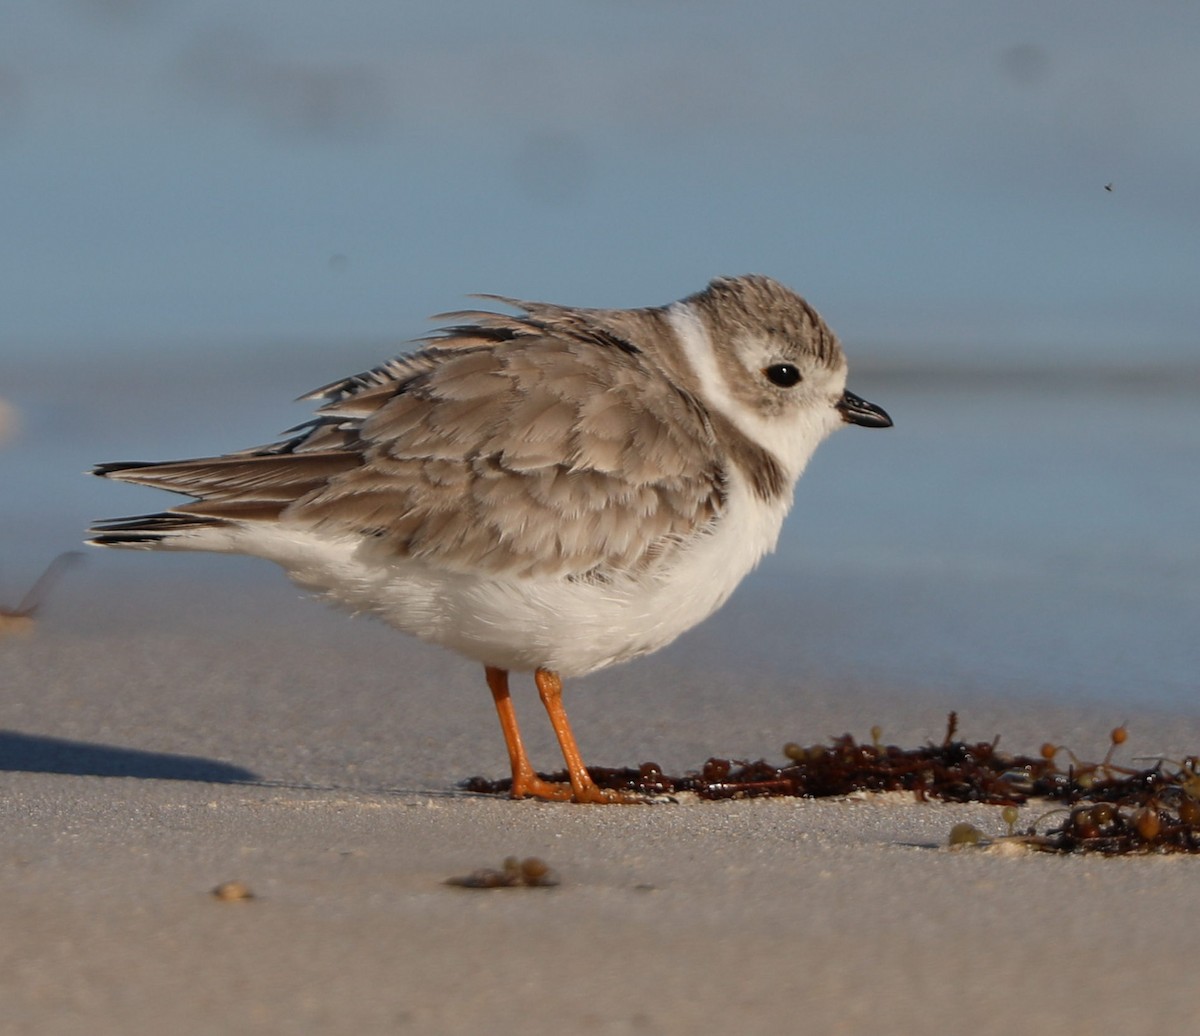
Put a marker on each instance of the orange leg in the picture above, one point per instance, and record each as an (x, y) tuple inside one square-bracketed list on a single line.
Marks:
[(524, 780), (583, 789)]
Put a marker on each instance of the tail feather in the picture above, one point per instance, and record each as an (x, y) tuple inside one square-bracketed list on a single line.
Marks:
[(241, 488), (146, 531)]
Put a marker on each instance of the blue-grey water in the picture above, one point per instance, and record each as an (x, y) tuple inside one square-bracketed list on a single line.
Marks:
[(1023, 530)]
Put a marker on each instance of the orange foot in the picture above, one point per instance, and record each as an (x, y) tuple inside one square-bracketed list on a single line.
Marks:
[(606, 796), (533, 787), (525, 782)]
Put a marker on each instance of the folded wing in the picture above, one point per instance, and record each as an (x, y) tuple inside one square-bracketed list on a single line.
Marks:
[(506, 446)]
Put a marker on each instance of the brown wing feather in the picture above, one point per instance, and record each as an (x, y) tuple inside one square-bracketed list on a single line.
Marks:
[(547, 456), (272, 477)]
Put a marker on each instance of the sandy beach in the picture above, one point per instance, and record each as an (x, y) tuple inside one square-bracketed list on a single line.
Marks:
[(181, 737)]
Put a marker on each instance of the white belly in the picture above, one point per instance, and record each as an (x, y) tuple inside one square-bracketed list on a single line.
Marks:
[(522, 624)]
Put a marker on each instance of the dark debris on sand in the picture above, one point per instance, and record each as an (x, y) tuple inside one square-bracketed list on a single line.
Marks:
[(1104, 808), (530, 872)]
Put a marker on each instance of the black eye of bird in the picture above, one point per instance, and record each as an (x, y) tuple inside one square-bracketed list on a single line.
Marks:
[(785, 375)]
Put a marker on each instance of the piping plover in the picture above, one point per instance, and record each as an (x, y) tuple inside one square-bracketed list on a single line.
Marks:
[(554, 491)]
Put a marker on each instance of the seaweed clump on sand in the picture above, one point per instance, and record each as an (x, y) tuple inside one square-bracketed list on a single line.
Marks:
[(1104, 808)]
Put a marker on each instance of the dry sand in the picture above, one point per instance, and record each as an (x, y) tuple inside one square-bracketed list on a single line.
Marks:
[(161, 742)]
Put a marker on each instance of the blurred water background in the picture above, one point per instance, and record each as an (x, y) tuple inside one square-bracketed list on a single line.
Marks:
[(213, 207)]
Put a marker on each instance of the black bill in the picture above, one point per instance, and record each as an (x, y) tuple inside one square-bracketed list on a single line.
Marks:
[(856, 410)]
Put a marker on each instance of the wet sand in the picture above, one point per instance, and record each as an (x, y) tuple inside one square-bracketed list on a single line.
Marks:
[(159, 740)]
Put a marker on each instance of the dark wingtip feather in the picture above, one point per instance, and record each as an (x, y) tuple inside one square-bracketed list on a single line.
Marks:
[(145, 529), (122, 540), (104, 470)]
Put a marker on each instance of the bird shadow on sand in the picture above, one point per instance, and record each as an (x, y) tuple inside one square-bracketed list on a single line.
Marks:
[(36, 753)]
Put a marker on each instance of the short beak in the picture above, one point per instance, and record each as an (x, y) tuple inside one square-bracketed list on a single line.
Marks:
[(856, 410)]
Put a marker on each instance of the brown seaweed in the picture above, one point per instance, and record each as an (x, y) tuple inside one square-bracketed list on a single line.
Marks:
[(1105, 808)]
